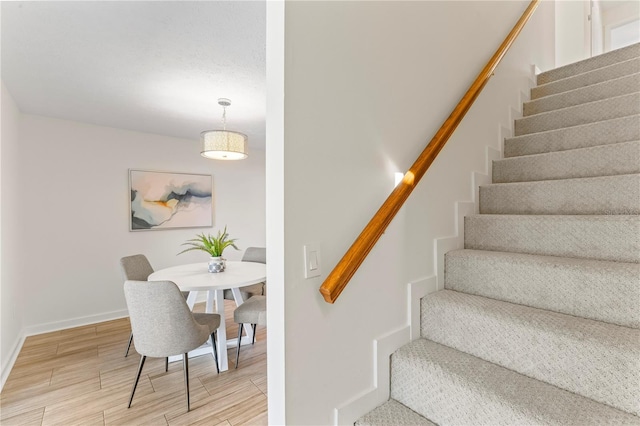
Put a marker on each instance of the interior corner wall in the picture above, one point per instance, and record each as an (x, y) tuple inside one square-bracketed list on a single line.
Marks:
[(367, 84), (11, 300), (73, 194)]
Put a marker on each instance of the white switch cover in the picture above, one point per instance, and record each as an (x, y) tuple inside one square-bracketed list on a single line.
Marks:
[(312, 261)]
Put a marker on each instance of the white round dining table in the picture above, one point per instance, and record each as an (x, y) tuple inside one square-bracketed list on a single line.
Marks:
[(195, 277)]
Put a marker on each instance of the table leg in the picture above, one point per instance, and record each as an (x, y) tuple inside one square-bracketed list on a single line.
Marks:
[(237, 295), (217, 298), (191, 299), (210, 300), (222, 331)]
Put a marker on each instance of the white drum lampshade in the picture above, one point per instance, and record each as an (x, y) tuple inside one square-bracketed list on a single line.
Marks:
[(224, 144)]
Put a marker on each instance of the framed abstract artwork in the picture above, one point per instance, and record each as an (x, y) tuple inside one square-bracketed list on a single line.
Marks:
[(166, 200)]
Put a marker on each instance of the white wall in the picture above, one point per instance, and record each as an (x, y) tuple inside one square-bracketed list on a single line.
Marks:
[(70, 205), (572, 31), (11, 302), (76, 178), (366, 85)]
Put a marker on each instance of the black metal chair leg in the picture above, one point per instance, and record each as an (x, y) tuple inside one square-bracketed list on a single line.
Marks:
[(215, 350), (254, 333), (185, 361), (129, 345), (142, 359), (238, 345), (166, 364)]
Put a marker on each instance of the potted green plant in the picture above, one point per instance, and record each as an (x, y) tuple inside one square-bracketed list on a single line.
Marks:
[(215, 246)]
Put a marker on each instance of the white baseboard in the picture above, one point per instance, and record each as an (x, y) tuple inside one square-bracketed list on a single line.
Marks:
[(383, 347), (367, 400), (50, 327), (74, 322), (62, 325), (8, 365), (87, 320)]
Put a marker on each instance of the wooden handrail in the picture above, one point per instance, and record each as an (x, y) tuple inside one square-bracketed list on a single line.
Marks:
[(338, 278)]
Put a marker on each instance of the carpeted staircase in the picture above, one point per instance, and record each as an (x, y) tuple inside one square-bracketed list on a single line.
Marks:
[(540, 316)]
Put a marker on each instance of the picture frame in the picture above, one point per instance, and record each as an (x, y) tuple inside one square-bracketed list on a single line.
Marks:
[(169, 200)]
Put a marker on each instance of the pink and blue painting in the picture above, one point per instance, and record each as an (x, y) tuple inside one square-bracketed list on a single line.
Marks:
[(165, 200)]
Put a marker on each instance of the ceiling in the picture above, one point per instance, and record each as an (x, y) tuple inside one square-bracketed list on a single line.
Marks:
[(155, 67)]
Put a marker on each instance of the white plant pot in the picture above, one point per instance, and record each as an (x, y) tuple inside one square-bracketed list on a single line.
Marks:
[(216, 264)]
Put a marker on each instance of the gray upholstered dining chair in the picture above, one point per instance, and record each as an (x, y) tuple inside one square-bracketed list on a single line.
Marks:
[(257, 255), (254, 312), (164, 325), (137, 268)]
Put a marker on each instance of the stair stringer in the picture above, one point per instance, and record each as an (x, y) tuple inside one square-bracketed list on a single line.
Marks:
[(462, 209), (378, 393), (384, 346), (465, 208)]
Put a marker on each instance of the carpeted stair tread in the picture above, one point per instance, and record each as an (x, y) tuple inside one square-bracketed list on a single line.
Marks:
[(606, 109), (606, 132), (607, 237), (451, 387), (604, 90), (393, 413), (604, 160), (596, 76), (590, 358), (599, 290), (590, 64), (589, 196)]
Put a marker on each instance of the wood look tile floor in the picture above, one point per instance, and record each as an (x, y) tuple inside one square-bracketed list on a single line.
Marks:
[(80, 376)]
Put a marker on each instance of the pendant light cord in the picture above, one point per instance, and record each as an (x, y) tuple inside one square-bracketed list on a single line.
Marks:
[(224, 117)]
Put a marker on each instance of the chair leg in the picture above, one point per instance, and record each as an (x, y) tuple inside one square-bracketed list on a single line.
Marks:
[(238, 345), (215, 350), (254, 333), (166, 364), (142, 359), (185, 361), (129, 345)]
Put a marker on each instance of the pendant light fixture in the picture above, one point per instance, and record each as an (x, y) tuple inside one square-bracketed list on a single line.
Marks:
[(224, 144)]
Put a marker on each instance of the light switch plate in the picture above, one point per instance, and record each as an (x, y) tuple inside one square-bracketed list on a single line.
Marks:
[(312, 261)]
